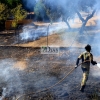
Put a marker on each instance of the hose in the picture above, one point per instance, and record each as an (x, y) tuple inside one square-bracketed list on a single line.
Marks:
[(54, 84), (58, 81)]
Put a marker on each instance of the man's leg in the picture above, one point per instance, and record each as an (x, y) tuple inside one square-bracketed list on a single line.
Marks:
[(84, 79)]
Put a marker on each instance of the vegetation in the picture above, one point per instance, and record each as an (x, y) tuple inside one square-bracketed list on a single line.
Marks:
[(86, 7), (15, 11), (18, 13), (68, 9), (3, 10), (40, 11), (11, 3), (65, 10)]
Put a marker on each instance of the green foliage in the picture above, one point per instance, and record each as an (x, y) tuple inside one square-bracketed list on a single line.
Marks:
[(56, 10), (39, 9), (11, 3), (53, 15), (3, 12), (18, 14)]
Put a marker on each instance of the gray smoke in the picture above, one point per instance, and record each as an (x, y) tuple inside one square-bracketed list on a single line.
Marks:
[(30, 33), (9, 78), (29, 4), (3, 94)]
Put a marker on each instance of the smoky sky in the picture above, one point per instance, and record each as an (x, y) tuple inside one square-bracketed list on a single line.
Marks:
[(29, 4)]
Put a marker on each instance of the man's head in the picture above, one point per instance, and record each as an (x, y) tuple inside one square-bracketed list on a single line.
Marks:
[(88, 48)]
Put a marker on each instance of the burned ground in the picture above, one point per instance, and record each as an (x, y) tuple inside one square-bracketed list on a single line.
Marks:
[(37, 71), (24, 70)]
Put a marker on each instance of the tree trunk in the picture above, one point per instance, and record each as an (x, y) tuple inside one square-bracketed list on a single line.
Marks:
[(65, 20), (80, 17), (67, 24), (84, 21)]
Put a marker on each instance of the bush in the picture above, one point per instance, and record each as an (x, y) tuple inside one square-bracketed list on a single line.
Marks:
[(18, 13), (3, 12)]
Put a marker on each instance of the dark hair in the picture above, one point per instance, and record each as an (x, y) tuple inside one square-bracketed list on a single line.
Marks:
[(88, 48)]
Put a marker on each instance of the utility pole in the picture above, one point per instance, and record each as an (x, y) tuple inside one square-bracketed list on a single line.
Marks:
[(48, 33)]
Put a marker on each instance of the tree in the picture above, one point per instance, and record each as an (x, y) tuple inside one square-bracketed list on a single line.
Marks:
[(39, 10), (11, 3), (3, 12), (59, 9), (18, 13), (3, 15), (86, 7), (67, 9), (29, 5), (52, 10)]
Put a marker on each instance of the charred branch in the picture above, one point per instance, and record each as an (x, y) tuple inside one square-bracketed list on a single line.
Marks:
[(65, 20), (85, 21), (80, 17), (90, 16)]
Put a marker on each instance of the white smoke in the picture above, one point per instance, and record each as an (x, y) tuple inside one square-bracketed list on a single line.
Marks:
[(96, 70), (3, 94), (29, 4), (9, 79), (30, 33), (98, 64)]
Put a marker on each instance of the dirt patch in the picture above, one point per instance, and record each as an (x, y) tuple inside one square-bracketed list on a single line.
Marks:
[(21, 65)]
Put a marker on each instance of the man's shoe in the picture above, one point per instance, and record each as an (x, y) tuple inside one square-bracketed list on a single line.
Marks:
[(82, 88), (1, 90)]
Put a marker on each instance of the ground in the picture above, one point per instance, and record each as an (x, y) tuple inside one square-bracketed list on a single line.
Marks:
[(25, 72)]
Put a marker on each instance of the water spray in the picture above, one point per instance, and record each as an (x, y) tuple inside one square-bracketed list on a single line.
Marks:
[(98, 64)]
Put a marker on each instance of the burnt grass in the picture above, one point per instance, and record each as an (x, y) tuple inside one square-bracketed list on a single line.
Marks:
[(34, 72), (43, 71)]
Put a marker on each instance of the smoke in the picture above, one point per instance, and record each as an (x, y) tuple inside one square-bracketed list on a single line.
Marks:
[(95, 46), (3, 94), (96, 71), (98, 64), (9, 79), (31, 34), (29, 4), (63, 8)]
